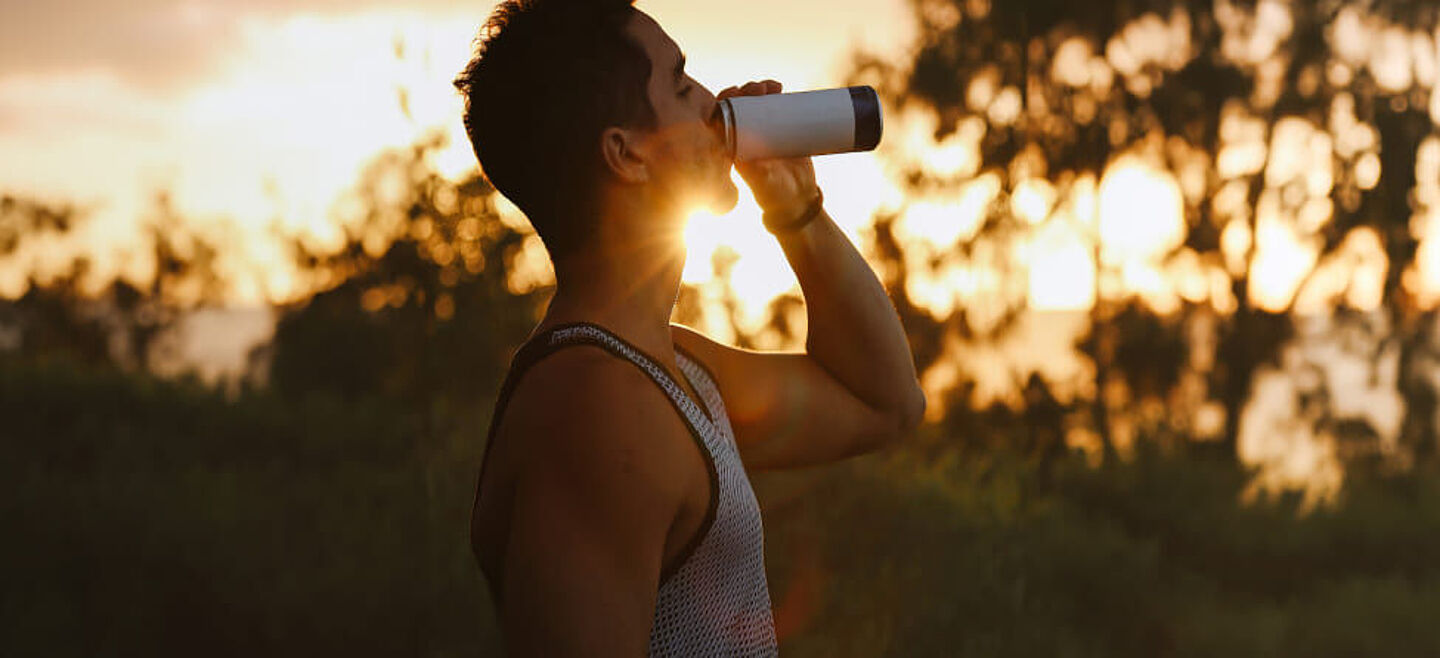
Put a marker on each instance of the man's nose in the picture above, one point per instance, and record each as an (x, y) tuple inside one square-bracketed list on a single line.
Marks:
[(711, 109)]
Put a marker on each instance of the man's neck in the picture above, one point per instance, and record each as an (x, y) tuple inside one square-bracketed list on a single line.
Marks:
[(627, 285)]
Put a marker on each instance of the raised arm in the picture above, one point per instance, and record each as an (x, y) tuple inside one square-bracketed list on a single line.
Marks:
[(854, 389), (854, 331)]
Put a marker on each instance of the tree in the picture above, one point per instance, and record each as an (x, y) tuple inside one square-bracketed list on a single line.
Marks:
[(124, 324), (1256, 119), (424, 300)]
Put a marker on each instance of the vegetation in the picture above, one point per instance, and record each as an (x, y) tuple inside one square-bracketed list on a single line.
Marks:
[(153, 517), (319, 505)]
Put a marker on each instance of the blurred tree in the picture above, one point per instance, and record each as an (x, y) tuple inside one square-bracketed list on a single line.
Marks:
[(1284, 132), (422, 302), (124, 324)]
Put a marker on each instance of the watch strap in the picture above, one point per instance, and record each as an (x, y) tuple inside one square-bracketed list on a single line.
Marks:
[(777, 225)]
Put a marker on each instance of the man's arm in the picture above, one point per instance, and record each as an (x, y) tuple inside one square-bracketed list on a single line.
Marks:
[(854, 332), (853, 391), (855, 388), (595, 495)]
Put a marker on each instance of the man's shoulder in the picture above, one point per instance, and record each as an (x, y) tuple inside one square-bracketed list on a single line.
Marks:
[(584, 392), (577, 377), (586, 421)]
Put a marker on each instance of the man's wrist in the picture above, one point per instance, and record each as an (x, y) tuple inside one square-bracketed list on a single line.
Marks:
[(780, 223)]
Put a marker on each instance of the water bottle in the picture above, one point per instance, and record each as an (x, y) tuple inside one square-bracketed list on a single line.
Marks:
[(799, 124)]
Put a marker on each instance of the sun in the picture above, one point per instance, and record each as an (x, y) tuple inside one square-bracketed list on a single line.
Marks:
[(759, 272)]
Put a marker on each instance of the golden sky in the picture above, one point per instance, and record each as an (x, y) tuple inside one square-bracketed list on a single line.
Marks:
[(263, 111)]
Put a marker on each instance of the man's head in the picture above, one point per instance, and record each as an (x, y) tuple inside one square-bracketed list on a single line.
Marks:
[(570, 103)]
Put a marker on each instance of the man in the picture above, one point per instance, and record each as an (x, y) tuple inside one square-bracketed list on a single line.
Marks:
[(613, 514)]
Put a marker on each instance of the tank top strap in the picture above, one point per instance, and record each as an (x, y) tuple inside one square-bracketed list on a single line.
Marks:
[(707, 387), (593, 334), (572, 334)]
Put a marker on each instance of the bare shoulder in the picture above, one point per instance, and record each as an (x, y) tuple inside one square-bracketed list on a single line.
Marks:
[(590, 414), (570, 379)]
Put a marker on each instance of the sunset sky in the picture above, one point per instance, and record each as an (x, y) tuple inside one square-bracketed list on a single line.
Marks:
[(263, 111), (253, 114), (258, 114)]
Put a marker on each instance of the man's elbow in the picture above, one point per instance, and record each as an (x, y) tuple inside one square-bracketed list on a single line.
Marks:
[(906, 419), (914, 412)]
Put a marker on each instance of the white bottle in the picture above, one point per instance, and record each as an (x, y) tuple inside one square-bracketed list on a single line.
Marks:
[(800, 124)]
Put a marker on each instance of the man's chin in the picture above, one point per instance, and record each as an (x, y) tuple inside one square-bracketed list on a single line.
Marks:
[(724, 199)]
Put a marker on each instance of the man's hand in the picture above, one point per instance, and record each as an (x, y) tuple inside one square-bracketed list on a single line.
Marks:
[(854, 338), (784, 186)]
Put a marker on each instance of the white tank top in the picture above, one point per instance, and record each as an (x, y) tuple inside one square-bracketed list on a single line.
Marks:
[(714, 599)]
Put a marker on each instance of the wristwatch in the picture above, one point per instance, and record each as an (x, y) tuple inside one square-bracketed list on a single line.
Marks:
[(777, 225)]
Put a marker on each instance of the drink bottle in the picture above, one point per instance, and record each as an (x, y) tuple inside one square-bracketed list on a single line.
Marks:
[(799, 124)]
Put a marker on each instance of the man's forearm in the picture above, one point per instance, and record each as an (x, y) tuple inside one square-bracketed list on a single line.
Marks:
[(854, 332)]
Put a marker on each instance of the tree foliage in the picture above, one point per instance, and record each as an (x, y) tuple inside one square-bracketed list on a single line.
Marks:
[(417, 304), (1268, 118), (125, 324)]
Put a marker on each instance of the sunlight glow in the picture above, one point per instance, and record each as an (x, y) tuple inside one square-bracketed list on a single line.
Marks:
[(1072, 62), (1242, 142), (1353, 275), (1289, 450), (1151, 40), (1282, 259), (1300, 150), (1422, 279), (1062, 270), (1040, 342), (958, 154), (1032, 199), (531, 268), (943, 224), (1141, 211), (855, 187), (1253, 34)]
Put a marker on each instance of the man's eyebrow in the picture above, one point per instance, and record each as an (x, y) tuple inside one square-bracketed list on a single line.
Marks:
[(680, 68)]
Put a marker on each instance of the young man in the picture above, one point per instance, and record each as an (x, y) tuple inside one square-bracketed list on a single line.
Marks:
[(613, 514)]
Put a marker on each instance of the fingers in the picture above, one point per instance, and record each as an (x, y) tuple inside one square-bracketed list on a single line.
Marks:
[(751, 89)]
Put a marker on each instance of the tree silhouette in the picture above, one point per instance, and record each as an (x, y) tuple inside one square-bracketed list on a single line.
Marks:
[(419, 306), (1264, 114), (125, 325)]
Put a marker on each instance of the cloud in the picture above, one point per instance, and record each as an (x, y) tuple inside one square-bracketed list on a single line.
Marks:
[(147, 42), (155, 44)]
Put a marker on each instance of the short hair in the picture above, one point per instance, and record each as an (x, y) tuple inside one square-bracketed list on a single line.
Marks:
[(547, 78)]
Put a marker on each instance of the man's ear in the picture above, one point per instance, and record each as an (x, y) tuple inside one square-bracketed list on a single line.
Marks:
[(622, 154)]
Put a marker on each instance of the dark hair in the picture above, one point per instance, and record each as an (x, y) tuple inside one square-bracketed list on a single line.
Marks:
[(548, 76)]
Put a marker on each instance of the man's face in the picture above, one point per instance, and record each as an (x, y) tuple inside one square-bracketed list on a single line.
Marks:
[(687, 161)]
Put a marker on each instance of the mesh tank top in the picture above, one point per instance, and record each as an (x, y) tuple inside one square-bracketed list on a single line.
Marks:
[(714, 600)]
